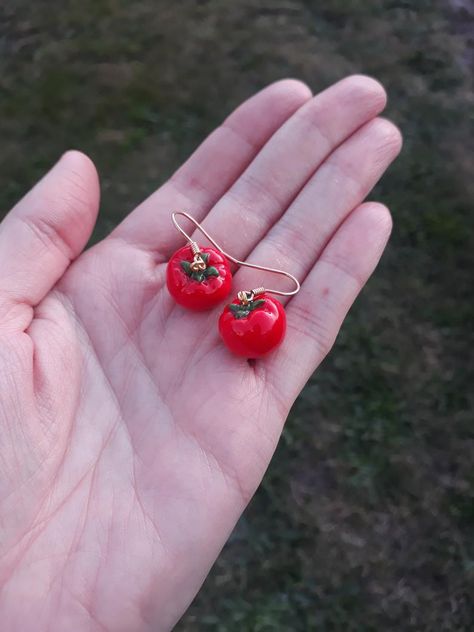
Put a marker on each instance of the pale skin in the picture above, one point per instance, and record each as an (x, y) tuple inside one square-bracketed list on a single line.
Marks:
[(131, 439)]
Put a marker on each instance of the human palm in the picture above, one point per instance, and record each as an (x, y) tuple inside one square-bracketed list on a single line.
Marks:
[(132, 440)]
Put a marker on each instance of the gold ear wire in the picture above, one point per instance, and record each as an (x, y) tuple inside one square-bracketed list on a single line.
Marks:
[(245, 296)]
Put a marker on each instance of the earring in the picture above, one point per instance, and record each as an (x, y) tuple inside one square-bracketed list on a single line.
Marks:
[(254, 323), (198, 278)]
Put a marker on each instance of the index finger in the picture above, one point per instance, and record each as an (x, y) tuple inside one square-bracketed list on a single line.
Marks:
[(213, 167)]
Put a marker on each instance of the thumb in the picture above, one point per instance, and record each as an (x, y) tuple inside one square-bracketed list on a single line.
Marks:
[(44, 232)]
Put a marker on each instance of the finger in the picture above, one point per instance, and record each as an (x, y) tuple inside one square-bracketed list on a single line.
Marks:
[(274, 178), (44, 232), (213, 167), (341, 183), (315, 315)]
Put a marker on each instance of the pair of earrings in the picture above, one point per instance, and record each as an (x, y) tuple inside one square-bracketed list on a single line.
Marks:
[(200, 278)]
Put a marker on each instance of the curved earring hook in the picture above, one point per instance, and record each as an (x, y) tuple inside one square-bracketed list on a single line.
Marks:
[(244, 295)]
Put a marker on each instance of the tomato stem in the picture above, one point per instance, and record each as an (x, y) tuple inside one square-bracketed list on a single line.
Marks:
[(239, 310), (200, 275)]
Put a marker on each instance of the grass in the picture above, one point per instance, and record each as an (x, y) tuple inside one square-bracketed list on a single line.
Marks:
[(364, 521)]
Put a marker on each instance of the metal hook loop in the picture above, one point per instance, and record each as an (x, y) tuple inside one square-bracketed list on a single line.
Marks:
[(252, 293)]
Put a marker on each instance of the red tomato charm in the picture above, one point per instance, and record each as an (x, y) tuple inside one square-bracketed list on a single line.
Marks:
[(255, 329), (198, 289)]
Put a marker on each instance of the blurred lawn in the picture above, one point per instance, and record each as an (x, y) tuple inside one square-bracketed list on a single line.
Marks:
[(365, 519)]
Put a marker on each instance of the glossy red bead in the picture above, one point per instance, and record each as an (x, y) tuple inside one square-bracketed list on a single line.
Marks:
[(256, 331), (208, 291)]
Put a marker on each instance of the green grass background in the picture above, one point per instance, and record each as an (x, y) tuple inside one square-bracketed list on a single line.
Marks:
[(365, 519)]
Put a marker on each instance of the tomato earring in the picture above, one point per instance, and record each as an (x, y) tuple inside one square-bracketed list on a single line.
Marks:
[(197, 278), (255, 323)]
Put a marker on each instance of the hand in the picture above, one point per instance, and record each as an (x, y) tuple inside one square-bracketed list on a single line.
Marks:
[(131, 439)]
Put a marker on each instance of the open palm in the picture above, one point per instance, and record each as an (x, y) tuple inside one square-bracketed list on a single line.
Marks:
[(131, 439)]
